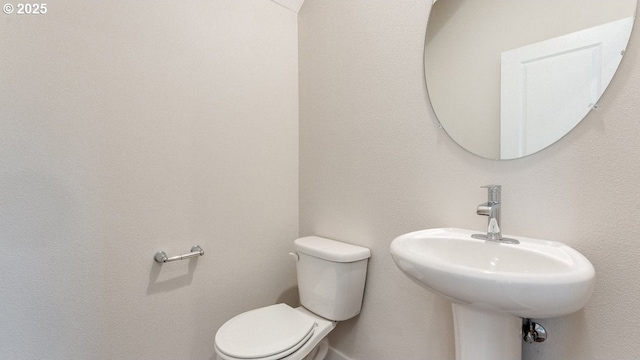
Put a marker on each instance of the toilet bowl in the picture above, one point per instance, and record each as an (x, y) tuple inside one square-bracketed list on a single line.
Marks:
[(274, 332), (331, 279)]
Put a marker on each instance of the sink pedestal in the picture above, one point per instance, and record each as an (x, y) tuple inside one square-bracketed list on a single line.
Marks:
[(486, 335)]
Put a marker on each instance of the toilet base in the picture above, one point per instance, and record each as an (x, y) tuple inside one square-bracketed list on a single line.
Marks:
[(320, 351)]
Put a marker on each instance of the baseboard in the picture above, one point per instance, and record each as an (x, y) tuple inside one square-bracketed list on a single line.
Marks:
[(334, 354)]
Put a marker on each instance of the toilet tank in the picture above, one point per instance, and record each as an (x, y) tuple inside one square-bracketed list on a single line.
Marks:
[(331, 276)]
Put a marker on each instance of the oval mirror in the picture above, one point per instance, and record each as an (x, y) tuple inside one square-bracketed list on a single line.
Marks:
[(508, 78)]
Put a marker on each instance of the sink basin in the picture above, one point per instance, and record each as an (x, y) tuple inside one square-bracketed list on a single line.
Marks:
[(493, 285), (533, 279)]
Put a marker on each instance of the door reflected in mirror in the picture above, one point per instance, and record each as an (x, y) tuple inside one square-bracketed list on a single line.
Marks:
[(508, 78)]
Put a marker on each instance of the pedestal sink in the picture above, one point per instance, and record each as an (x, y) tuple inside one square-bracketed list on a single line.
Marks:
[(493, 285)]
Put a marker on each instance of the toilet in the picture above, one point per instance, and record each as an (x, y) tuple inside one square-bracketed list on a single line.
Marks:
[(331, 278)]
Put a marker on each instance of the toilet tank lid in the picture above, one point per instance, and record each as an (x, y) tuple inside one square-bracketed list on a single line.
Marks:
[(330, 249)]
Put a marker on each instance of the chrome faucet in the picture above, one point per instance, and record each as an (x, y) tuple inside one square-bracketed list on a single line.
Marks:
[(492, 209)]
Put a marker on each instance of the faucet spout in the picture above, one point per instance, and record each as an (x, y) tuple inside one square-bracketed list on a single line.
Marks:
[(485, 209)]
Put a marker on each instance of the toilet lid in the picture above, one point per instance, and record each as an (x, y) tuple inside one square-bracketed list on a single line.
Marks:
[(265, 332)]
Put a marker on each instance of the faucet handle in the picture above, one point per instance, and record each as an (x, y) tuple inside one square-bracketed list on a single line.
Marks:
[(491, 187)]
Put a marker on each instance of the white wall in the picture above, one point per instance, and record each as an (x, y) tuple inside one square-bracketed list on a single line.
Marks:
[(374, 165), (132, 127)]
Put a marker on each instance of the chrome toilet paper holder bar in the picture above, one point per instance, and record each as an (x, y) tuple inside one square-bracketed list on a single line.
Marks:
[(161, 257)]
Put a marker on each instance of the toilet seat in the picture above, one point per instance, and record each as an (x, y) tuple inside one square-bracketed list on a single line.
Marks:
[(268, 333)]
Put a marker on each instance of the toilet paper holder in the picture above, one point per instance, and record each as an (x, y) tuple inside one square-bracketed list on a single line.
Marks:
[(161, 257)]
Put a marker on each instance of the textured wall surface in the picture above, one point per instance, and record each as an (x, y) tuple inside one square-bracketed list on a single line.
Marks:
[(374, 165), (127, 128), (132, 127)]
